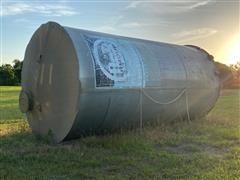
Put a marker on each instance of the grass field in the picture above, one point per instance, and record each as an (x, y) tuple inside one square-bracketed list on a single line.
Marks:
[(207, 148)]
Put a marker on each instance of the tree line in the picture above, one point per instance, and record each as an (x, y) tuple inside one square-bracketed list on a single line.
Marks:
[(10, 75), (229, 75)]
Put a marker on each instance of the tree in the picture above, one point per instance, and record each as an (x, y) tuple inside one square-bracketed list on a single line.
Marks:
[(236, 70), (17, 70), (7, 76), (225, 74), (11, 75), (236, 74)]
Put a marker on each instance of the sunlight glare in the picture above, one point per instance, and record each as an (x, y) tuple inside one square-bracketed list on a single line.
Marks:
[(233, 50)]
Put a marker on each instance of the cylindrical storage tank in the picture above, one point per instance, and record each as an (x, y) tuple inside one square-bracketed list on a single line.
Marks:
[(76, 82)]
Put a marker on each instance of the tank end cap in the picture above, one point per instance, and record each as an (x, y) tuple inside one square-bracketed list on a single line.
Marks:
[(25, 102)]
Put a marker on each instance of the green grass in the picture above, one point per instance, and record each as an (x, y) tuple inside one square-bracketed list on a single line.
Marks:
[(207, 148)]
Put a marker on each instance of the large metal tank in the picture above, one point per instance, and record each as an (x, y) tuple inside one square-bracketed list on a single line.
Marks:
[(76, 82)]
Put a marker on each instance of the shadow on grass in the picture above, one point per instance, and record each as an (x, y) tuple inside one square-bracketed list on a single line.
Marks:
[(23, 139)]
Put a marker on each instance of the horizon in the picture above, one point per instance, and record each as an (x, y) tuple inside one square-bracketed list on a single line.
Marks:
[(210, 24)]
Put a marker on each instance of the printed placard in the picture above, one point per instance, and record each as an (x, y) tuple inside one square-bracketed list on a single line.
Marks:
[(116, 63)]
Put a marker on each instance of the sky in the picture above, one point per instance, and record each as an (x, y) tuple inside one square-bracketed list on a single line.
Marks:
[(210, 24)]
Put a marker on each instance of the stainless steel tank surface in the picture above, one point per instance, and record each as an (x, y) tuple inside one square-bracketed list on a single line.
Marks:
[(76, 82)]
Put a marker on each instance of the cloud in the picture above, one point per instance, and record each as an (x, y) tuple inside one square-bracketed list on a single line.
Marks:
[(136, 24), (133, 4), (44, 9), (167, 7), (132, 25), (106, 28), (199, 4), (193, 35)]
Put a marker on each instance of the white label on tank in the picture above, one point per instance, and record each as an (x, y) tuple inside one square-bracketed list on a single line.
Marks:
[(116, 63)]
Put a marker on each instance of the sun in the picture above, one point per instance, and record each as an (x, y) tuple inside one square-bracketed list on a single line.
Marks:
[(233, 50)]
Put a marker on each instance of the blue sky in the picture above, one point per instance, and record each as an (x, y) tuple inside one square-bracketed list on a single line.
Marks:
[(210, 24)]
